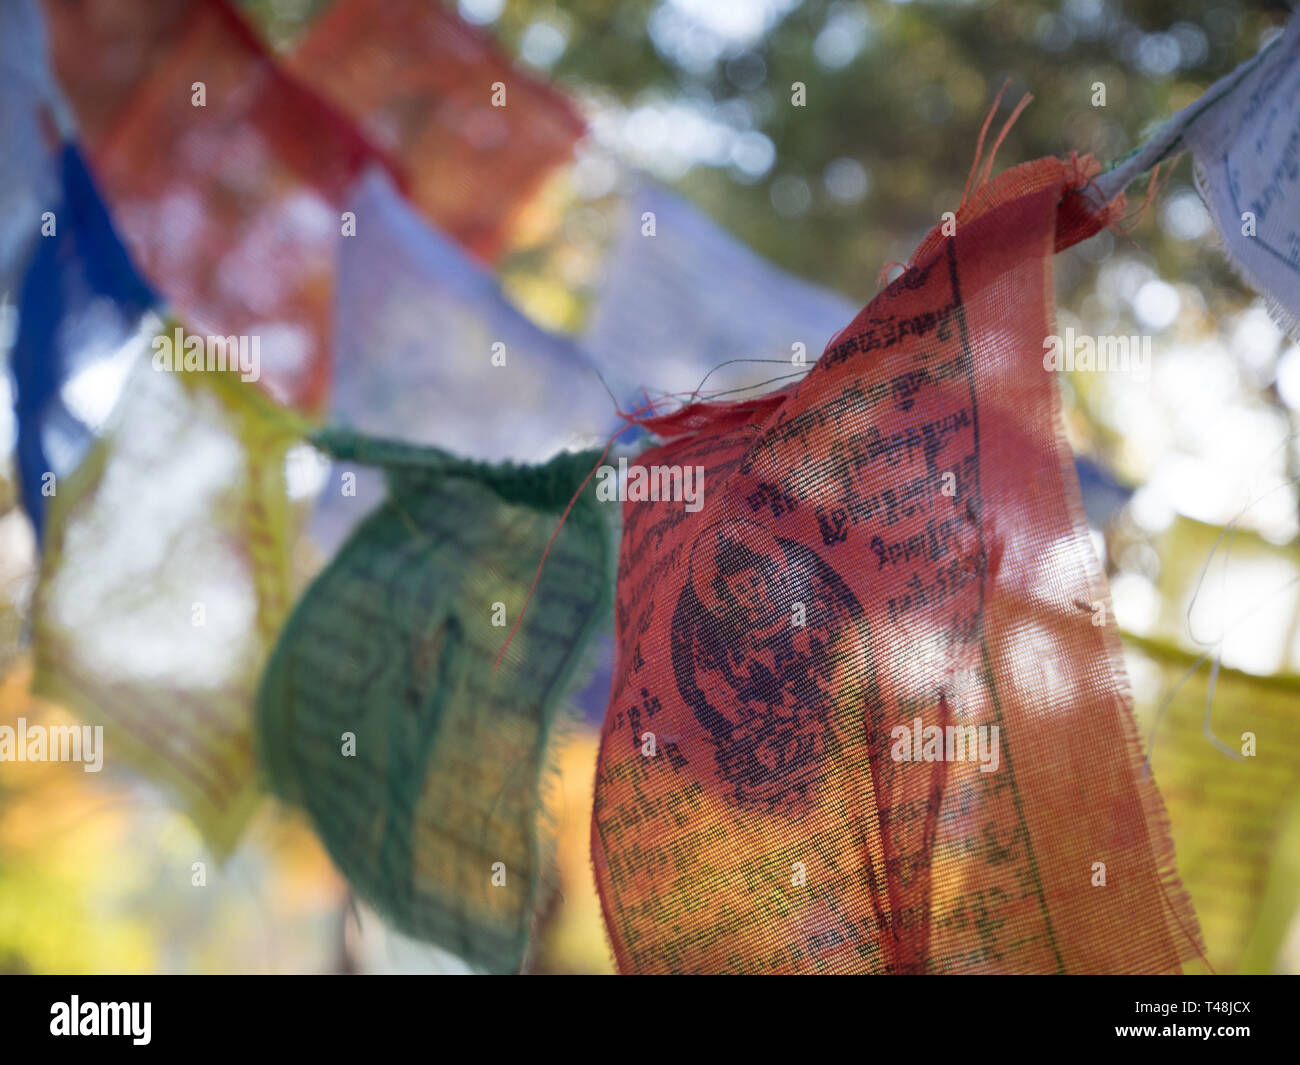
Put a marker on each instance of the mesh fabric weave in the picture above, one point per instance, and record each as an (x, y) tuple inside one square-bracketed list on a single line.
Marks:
[(896, 543)]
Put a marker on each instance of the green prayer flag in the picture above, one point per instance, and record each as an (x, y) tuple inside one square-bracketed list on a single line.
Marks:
[(380, 711)]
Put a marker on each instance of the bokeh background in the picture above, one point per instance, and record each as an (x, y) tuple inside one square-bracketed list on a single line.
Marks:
[(1191, 476)]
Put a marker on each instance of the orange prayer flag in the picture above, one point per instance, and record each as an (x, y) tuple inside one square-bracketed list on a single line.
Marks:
[(476, 135), (861, 717)]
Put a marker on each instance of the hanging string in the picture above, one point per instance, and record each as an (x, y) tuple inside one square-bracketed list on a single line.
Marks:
[(631, 419), (1154, 186)]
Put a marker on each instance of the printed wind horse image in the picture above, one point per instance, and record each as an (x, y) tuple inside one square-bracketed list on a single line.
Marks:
[(757, 670), (469, 508)]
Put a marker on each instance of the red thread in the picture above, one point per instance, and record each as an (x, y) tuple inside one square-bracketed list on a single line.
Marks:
[(882, 278), (631, 421), (1025, 101), (1153, 189), (979, 145)]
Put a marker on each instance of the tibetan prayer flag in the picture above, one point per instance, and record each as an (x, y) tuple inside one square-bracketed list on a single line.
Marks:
[(476, 134), (80, 299), (681, 299), (1226, 751), (104, 50), (1211, 577), (862, 719), (430, 351), (1104, 495), (165, 580), (29, 162), (1247, 151), (1244, 133), (227, 178), (380, 712)]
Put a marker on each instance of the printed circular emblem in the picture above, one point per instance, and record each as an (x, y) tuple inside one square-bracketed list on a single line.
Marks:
[(762, 631)]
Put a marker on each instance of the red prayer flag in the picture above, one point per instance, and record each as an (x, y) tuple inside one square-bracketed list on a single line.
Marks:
[(476, 135), (103, 50), (861, 717), (226, 175)]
